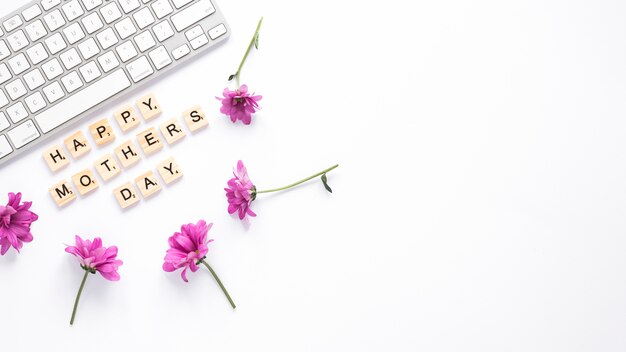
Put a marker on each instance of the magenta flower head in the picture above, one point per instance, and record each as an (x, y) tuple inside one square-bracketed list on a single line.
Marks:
[(94, 258), (240, 192), (188, 248), (239, 104), (15, 221)]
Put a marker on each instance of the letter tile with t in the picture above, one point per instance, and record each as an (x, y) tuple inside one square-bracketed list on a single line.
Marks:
[(77, 144), (148, 184), (126, 117), (62, 193), (172, 130), (128, 154), (149, 107), (85, 181), (149, 141), (169, 170), (126, 195), (56, 158), (107, 167), (102, 132), (195, 118)]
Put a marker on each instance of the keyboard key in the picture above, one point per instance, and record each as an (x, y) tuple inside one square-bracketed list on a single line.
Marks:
[(4, 122), (53, 92), (3, 99), (54, 20), (16, 89), (31, 12), (217, 31), (194, 32), (71, 81), (161, 8), (92, 22), (35, 102), (126, 51), (4, 50), (5, 75), (160, 58), (143, 18), (73, 33), (110, 12), (144, 41), (17, 112), (107, 38), (5, 147), (36, 30), (163, 31), (70, 59), (108, 61), (192, 14), (34, 79), (17, 40), (199, 41), (181, 3), (91, 4), (125, 28), (90, 71), (181, 51), (19, 63), (72, 10), (52, 68), (12, 23), (48, 4), (37, 53), (88, 48), (55, 43), (83, 100), (129, 5), (23, 134), (139, 69)]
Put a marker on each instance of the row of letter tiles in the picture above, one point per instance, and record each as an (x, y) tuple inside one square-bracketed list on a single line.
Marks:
[(85, 182), (102, 132)]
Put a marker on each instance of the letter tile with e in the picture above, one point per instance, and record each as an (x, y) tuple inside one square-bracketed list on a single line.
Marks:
[(149, 141)]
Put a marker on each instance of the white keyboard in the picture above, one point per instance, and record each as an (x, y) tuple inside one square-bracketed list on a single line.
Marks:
[(60, 59)]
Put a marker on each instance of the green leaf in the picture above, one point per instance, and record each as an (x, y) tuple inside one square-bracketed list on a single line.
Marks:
[(325, 181), (230, 78), (256, 42)]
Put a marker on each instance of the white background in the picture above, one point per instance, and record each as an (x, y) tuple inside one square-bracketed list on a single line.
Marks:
[(479, 205)]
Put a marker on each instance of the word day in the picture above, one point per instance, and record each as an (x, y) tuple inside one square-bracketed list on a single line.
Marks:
[(124, 155)]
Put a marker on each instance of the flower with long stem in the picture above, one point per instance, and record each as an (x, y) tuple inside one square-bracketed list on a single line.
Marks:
[(238, 104), (94, 258), (188, 248), (241, 192)]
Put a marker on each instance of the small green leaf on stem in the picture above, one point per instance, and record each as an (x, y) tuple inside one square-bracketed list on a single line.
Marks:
[(325, 181), (256, 42), (230, 78)]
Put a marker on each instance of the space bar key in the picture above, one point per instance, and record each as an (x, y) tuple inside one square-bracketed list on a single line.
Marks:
[(82, 101)]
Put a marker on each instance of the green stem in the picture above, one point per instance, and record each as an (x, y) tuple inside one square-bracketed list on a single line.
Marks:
[(256, 34), (219, 282), (297, 183), (80, 291)]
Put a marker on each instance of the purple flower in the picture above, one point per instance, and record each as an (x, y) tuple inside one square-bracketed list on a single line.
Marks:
[(94, 257), (240, 192), (239, 104), (15, 221), (187, 248)]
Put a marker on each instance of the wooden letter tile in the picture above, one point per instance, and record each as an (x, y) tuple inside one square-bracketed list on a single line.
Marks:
[(102, 132), (56, 158), (77, 144), (147, 184), (169, 170), (150, 141), (126, 117), (126, 195), (172, 130), (107, 167), (62, 193), (128, 154), (195, 118), (149, 106), (85, 181)]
